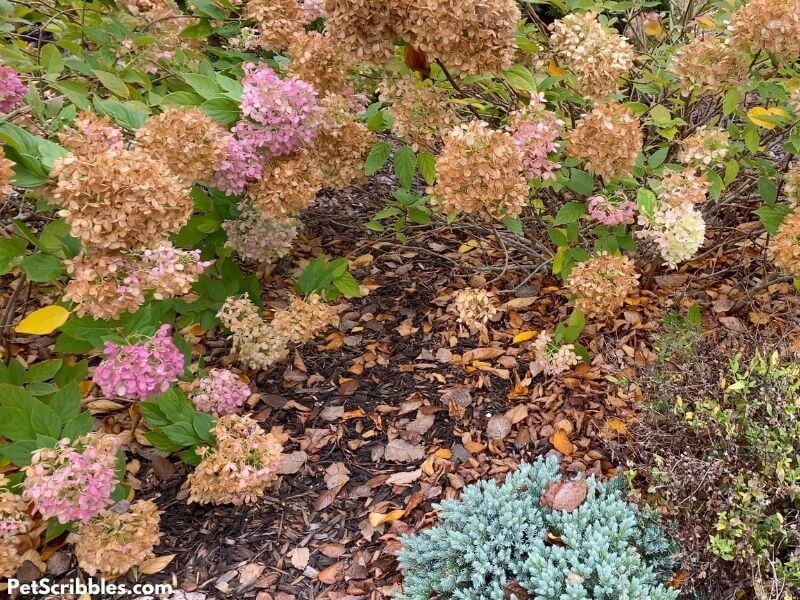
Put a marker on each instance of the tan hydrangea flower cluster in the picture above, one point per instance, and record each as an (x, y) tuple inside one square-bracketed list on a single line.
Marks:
[(784, 247), (186, 140), (471, 36), (288, 186), (119, 199), (551, 359), (704, 147), (241, 466), (6, 173), (164, 22), (708, 63), (254, 238), (677, 188), (480, 171), (366, 29), (278, 21), (608, 139), (91, 133), (113, 543), (474, 308), (602, 283), (261, 344), (317, 59), (599, 56), (14, 522), (792, 187), (420, 111), (768, 25), (342, 144)]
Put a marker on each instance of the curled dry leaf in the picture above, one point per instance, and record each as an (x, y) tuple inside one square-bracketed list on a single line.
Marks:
[(299, 558), (401, 451), (156, 564), (565, 495), (560, 441), (376, 519), (331, 574)]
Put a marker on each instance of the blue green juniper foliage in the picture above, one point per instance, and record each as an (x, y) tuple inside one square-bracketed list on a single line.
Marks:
[(493, 542)]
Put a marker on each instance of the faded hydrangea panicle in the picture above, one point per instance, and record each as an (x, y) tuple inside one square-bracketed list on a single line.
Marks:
[(612, 211), (12, 90), (221, 392), (6, 173), (768, 26), (90, 134), (15, 522), (536, 132), (113, 543), (186, 140), (317, 59), (552, 359), (73, 481), (704, 148), (288, 186), (474, 308), (608, 139), (241, 466), (599, 56), (366, 29), (601, 284), (685, 186), (140, 371), (480, 171), (708, 63), (257, 239), (420, 111), (278, 21), (784, 247), (678, 231)]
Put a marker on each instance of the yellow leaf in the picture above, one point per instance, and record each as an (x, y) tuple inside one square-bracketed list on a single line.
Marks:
[(617, 425), (560, 441), (706, 23), (757, 114), (524, 336), (654, 29), (376, 519), (43, 321), (155, 565), (554, 70)]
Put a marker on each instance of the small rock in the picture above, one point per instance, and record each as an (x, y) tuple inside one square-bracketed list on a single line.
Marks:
[(458, 396), (58, 564)]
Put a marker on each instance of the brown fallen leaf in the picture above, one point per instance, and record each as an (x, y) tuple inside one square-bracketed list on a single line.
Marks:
[(332, 550), (376, 519), (404, 478), (336, 476), (156, 564), (331, 574), (299, 557), (348, 387), (565, 495), (399, 450), (249, 573), (498, 427), (291, 462)]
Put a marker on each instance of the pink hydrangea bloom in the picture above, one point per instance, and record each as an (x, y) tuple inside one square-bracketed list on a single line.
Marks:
[(12, 90), (538, 139), (313, 10), (608, 212), (286, 110), (242, 165), (221, 392), (140, 371), (73, 481), (171, 271)]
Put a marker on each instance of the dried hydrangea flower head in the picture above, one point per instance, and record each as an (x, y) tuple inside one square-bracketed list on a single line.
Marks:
[(792, 187), (768, 26), (286, 110), (608, 139), (366, 29), (120, 199), (14, 517), (612, 211), (90, 134), (480, 171), (678, 231), (552, 359), (303, 319), (257, 239), (240, 468), (708, 63), (253, 341), (140, 371), (599, 56), (278, 20), (342, 145), (106, 285), (186, 140), (536, 132), (73, 481), (317, 59), (784, 247), (705, 147), (288, 186), (221, 392), (6, 173), (419, 109), (474, 308), (115, 542), (601, 284), (471, 36), (12, 90), (676, 188), (14, 524)]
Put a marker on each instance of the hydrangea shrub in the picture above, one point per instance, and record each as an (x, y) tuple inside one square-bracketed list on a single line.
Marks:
[(500, 541)]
